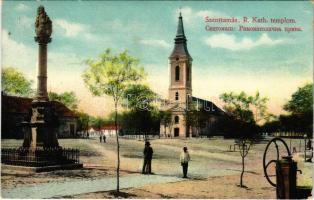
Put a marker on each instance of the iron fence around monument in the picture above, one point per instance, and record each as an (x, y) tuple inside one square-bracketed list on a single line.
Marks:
[(39, 157)]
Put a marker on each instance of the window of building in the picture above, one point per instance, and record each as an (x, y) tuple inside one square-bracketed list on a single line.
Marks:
[(177, 96), (188, 73), (177, 73), (176, 119)]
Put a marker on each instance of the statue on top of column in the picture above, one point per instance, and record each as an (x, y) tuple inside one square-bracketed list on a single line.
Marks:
[(43, 26)]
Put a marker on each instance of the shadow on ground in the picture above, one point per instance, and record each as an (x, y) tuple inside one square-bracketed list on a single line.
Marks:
[(120, 194)]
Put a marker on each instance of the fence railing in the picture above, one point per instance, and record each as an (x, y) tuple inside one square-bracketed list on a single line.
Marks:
[(140, 136), (39, 157)]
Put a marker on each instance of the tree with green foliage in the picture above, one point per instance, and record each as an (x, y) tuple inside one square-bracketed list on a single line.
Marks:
[(111, 75), (166, 120), (301, 101), (138, 97), (249, 109), (141, 116), (83, 122), (14, 82), (260, 107), (300, 117), (97, 122), (238, 106), (301, 111), (69, 99)]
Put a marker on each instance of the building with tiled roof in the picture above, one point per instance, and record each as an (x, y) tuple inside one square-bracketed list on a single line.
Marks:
[(15, 110)]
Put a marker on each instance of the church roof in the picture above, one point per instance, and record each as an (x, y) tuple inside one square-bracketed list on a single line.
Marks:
[(180, 47), (201, 105), (206, 105)]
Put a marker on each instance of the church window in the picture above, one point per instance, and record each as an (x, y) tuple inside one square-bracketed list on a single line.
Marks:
[(177, 73), (176, 119), (188, 73), (177, 96)]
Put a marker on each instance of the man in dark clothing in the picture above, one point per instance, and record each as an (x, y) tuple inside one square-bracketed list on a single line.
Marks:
[(104, 138), (148, 155), (100, 138)]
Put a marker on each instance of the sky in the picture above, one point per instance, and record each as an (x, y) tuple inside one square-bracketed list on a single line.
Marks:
[(273, 63)]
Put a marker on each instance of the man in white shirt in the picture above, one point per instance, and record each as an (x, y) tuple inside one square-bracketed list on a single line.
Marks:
[(184, 159)]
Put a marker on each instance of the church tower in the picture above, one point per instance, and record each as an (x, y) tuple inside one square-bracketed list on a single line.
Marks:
[(180, 87)]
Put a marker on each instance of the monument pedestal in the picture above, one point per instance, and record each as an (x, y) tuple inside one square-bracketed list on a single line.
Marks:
[(44, 124)]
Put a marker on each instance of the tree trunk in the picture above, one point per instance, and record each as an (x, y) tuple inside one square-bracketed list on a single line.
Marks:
[(241, 182), (118, 147), (165, 131)]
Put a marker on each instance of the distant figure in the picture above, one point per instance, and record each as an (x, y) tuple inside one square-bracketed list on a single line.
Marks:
[(148, 155), (309, 144), (184, 159), (100, 138), (104, 138)]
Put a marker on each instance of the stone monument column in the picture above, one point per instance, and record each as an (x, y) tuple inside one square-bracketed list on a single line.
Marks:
[(41, 94), (43, 27), (44, 121)]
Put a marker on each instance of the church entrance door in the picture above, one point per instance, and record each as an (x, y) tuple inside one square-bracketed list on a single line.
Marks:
[(176, 132)]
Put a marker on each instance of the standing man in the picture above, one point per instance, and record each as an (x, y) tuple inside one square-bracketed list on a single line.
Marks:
[(100, 138), (148, 155), (104, 138), (184, 159)]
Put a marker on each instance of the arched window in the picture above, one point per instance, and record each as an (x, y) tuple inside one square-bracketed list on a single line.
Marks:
[(176, 119), (177, 73), (177, 96), (188, 73)]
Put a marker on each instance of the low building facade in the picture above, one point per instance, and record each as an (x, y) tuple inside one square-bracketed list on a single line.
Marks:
[(15, 110)]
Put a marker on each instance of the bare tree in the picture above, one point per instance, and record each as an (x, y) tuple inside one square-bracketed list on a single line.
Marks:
[(244, 146)]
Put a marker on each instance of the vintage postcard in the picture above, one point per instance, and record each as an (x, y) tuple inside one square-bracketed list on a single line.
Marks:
[(156, 99)]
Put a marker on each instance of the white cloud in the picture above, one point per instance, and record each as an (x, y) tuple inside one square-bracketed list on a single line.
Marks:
[(17, 54), (26, 22), (71, 29), (155, 43), (230, 42), (74, 30), (22, 7)]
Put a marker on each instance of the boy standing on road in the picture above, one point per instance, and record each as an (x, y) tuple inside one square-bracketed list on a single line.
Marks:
[(184, 159)]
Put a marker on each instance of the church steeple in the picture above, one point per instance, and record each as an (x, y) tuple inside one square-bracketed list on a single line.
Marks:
[(180, 30), (180, 48), (180, 87)]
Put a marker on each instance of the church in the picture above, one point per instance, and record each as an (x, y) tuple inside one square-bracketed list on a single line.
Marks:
[(190, 116)]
